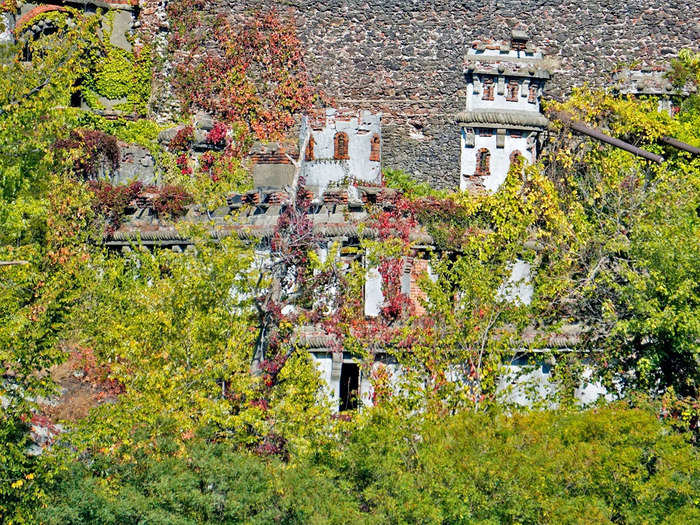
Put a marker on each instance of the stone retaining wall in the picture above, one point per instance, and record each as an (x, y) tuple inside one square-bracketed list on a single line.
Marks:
[(404, 58)]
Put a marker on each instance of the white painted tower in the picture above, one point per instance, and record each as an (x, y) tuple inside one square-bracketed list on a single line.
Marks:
[(502, 116), (341, 147)]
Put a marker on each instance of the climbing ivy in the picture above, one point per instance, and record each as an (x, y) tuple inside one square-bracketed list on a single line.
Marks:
[(119, 74), (251, 74)]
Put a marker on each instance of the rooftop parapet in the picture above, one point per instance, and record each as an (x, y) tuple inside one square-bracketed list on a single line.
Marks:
[(648, 81), (516, 58)]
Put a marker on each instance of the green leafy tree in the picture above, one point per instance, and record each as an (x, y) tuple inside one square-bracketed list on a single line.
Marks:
[(206, 483), (178, 332), (44, 224), (608, 465), (631, 277)]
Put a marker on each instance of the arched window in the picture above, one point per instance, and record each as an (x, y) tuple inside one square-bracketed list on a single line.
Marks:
[(309, 153), (532, 96), (340, 143), (487, 90), (483, 162), (513, 91), (516, 158), (374, 151)]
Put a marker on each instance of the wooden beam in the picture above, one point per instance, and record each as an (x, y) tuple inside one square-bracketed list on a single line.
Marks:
[(680, 145), (584, 129)]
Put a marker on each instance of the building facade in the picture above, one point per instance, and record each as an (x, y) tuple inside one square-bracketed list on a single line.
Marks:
[(501, 120), (340, 148)]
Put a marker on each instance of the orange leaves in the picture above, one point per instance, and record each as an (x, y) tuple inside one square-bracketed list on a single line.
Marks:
[(255, 80)]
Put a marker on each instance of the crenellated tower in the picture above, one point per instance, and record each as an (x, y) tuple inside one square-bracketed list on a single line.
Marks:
[(502, 118), (340, 147)]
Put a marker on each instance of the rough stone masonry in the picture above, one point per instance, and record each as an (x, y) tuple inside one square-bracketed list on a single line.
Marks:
[(404, 58)]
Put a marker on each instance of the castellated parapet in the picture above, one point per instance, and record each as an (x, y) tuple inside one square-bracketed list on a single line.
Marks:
[(502, 120), (651, 82), (340, 146)]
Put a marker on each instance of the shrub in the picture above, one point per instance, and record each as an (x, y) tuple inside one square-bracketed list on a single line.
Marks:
[(613, 464), (209, 483), (97, 153), (183, 139), (217, 134), (608, 465), (112, 201), (171, 201)]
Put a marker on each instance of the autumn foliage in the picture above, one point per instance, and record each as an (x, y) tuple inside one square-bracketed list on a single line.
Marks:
[(94, 152), (113, 201), (254, 78)]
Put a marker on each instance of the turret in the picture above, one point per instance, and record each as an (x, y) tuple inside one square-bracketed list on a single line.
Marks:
[(340, 147), (502, 118)]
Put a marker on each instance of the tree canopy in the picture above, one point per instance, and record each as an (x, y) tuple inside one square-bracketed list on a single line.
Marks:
[(201, 405)]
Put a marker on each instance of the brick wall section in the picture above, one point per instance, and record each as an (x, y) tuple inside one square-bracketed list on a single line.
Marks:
[(419, 267), (270, 158), (404, 58), (29, 16)]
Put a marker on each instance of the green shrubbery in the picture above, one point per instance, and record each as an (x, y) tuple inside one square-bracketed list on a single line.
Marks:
[(607, 465)]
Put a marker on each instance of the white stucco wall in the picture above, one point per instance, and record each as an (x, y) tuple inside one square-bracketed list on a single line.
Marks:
[(524, 383), (6, 35), (324, 364), (500, 157), (374, 298), (500, 102), (589, 391), (324, 169), (519, 286)]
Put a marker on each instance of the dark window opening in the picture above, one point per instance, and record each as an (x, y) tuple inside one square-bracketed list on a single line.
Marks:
[(341, 146), (349, 386), (76, 97)]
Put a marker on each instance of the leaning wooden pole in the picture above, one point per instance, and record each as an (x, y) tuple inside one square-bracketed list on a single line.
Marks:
[(582, 128), (680, 145)]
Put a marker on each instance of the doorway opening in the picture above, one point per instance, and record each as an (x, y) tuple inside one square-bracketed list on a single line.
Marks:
[(76, 98), (349, 386)]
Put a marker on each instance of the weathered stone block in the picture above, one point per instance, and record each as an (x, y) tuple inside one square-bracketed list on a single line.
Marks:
[(273, 175)]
